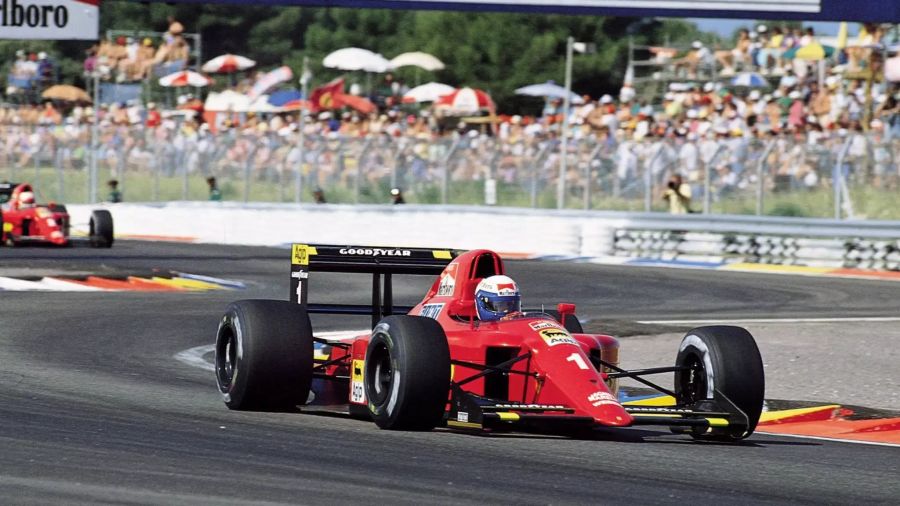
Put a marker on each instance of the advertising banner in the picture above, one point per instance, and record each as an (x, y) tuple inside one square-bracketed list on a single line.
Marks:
[(883, 11), (49, 19)]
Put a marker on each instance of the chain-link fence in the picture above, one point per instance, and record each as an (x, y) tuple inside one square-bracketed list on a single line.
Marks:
[(782, 175)]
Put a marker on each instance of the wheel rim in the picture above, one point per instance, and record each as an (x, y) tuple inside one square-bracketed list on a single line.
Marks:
[(693, 381), (380, 374), (226, 357)]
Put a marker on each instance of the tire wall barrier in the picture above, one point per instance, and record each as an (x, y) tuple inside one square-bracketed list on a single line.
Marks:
[(690, 238)]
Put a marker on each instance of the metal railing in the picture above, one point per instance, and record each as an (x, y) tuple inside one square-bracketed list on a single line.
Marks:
[(740, 175)]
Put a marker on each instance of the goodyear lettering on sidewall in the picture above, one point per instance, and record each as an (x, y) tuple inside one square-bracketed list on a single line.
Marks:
[(375, 252), (49, 19)]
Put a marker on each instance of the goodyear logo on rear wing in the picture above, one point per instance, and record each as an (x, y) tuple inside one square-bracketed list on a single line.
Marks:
[(300, 254), (557, 336), (376, 252)]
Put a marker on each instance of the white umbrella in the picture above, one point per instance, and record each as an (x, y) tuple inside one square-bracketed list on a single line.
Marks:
[(228, 63), (549, 90), (354, 58), (184, 78), (417, 59), (227, 101), (428, 92)]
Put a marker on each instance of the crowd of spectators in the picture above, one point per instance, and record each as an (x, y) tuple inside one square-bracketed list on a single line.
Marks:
[(799, 122), (129, 59)]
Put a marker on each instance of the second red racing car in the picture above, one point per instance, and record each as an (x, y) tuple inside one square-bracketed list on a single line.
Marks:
[(23, 221), (448, 362)]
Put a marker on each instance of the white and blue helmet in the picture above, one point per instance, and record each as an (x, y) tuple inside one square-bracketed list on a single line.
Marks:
[(496, 297)]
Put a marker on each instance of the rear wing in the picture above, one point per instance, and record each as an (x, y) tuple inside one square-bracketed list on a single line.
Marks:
[(381, 262)]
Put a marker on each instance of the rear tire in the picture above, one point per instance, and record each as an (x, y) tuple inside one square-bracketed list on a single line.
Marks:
[(727, 360), (407, 373), (101, 229), (264, 355)]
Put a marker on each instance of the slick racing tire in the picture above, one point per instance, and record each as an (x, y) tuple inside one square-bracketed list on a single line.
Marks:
[(571, 324), (101, 229), (725, 361), (264, 355), (407, 373)]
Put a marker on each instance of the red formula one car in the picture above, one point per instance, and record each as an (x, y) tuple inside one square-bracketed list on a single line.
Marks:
[(438, 364), (22, 221)]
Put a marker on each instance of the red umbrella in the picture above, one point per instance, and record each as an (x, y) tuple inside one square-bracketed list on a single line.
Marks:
[(184, 78), (228, 63), (465, 101)]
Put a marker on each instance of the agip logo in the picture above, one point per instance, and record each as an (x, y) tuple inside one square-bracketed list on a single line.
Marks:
[(556, 336), (49, 19)]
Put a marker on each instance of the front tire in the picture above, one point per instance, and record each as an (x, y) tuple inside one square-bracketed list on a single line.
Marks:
[(725, 361), (101, 229), (264, 355), (407, 373)]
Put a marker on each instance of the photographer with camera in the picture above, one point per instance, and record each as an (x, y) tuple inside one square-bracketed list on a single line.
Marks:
[(678, 193)]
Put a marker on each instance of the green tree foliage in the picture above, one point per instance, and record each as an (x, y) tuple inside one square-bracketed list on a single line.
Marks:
[(492, 51)]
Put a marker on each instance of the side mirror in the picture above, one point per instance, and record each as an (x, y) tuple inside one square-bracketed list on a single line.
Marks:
[(564, 309)]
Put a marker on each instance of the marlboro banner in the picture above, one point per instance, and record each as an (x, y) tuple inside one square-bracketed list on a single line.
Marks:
[(49, 19)]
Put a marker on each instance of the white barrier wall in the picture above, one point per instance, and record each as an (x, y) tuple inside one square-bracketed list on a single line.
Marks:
[(504, 230), (718, 238)]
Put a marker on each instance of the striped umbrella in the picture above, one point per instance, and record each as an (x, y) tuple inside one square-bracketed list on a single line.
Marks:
[(228, 63), (465, 101), (184, 78)]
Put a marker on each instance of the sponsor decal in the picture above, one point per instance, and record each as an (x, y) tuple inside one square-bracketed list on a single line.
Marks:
[(544, 324), (357, 386), (557, 336), (300, 254), (548, 407), (448, 281), (375, 252), (49, 19), (599, 398), (431, 310)]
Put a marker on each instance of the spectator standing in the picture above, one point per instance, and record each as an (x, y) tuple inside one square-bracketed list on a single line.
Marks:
[(397, 196), (114, 196), (678, 194), (214, 193)]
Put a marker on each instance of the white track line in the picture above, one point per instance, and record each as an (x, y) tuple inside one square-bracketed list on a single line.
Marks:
[(774, 320), (194, 357)]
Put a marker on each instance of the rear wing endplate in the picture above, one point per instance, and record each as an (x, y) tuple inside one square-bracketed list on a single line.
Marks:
[(381, 262)]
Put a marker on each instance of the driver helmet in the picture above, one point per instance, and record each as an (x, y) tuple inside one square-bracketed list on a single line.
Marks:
[(26, 199), (496, 297)]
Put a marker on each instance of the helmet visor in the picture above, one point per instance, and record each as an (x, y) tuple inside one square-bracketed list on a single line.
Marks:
[(502, 304)]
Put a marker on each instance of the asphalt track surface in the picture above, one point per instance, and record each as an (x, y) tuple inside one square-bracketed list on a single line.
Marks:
[(94, 409)]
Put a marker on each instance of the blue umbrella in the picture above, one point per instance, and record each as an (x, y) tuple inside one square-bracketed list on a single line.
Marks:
[(549, 90), (282, 97), (750, 80)]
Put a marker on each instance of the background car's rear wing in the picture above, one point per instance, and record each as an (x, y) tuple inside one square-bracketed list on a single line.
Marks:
[(381, 262)]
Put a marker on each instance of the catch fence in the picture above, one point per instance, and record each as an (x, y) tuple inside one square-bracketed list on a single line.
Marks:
[(783, 175)]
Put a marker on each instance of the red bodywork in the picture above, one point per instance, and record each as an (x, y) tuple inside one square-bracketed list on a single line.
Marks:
[(559, 372), (48, 224)]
